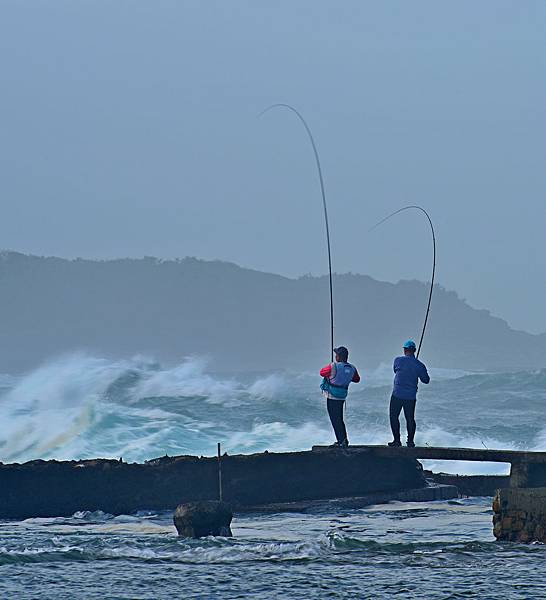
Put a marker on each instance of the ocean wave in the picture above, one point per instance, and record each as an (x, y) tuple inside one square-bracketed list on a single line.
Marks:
[(342, 542), (204, 551), (277, 436), (42, 555), (225, 551), (82, 407)]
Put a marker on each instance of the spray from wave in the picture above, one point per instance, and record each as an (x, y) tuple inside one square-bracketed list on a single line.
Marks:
[(83, 407)]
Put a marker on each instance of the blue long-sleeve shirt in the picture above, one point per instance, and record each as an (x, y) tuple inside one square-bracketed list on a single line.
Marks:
[(407, 371)]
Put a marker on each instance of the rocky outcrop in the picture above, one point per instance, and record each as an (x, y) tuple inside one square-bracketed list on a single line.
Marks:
[(52, 488), (199, 519), (520, 515)]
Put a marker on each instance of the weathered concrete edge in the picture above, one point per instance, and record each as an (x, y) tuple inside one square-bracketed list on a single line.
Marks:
[(471, 485), (447, 453), (431, 493)]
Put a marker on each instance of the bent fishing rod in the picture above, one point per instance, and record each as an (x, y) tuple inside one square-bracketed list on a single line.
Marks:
[(325, 209), (416, 207)]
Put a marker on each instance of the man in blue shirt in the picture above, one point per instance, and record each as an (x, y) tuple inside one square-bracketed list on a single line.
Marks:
[(407, 371)]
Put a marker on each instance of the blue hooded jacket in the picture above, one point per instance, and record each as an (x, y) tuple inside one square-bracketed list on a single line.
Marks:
[(407, 371)]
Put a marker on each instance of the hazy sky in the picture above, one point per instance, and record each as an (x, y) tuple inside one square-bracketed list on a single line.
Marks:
[(130, 129)]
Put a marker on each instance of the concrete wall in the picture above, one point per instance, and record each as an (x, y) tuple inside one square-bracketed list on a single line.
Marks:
[(520, 514), (51, 488), (536, 475)]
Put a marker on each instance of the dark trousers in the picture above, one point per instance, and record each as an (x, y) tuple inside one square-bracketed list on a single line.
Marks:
[(395, 408), (335, 411)]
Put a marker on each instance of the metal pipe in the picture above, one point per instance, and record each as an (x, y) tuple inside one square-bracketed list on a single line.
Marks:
[(220, 491)]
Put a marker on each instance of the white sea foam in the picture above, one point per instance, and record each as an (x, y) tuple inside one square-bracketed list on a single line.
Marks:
[(187, 380), (277, 436), (268, 387), (52, 406), (39, 551), (540, 442), (231, 551), (82, 407)]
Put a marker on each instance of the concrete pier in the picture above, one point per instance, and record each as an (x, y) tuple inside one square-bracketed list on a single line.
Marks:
[(528, 469), (299, 481), (51, 488), (519, 509), (441, 453)]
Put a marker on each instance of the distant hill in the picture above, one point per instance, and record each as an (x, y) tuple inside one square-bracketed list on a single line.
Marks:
[(242, 319)]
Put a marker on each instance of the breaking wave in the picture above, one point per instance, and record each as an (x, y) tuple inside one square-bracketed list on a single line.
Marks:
[(82, 407)]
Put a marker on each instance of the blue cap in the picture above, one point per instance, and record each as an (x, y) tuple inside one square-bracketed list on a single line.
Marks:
[(410, 345)]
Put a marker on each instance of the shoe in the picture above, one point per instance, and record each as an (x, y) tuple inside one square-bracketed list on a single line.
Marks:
[(410, 444), (344, 443), (395, 444)]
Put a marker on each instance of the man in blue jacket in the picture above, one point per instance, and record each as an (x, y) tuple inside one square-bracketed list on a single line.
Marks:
[(407, 371)]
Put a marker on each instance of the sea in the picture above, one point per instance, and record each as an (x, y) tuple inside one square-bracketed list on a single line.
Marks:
[(81, 406)]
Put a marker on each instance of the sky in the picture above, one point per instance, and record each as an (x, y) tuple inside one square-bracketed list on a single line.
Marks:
[(131, 128)]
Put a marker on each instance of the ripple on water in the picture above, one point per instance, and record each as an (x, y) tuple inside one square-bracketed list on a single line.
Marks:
[(440, 547)]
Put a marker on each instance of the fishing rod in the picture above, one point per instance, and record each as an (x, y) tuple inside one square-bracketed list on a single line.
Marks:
[(415, 207), (325, 209)]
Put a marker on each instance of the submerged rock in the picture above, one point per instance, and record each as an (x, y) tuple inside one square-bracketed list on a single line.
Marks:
[(199, 519)]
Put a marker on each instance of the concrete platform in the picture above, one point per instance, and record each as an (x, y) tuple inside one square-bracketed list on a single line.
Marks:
[(52, 488), (431, 493), (439, 453)]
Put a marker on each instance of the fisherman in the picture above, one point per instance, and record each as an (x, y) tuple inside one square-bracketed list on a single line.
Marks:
[(335, 385), (407, 371)]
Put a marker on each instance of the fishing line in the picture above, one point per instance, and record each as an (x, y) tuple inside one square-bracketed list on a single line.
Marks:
[(415, 207), (327, 227)]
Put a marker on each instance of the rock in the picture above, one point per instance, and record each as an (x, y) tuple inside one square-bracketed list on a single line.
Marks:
[(518, 525), (524, 537), (199, 519)]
